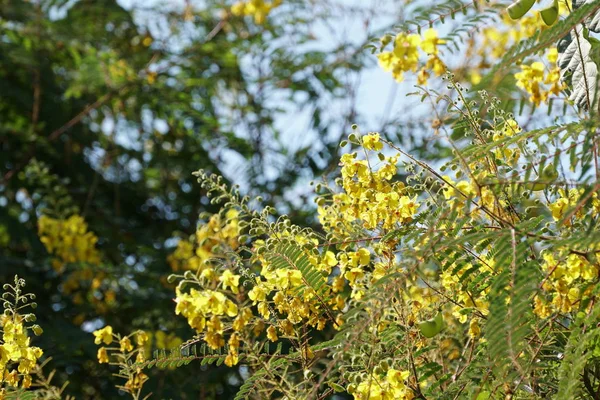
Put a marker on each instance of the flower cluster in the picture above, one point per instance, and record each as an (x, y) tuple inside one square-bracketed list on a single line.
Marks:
[(124, 354), (17, 357), (501, 36), (405, 55), (208, 306), (533, 76), (569, 276), (565, 201), (218, 233), (569, 279), (283, 292), (275, 293), (370, 195), (68, 240), (497, 38), (258, 9), (389, 387), (203, 310)]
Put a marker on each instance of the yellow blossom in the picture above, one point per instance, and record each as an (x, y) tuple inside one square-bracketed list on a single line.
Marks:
[(272, 333), (141, 338), (371, 142), (230, 280), (422, 76), (102, 355), (125, 345), (104, 335), (431, 41), (552, 55)]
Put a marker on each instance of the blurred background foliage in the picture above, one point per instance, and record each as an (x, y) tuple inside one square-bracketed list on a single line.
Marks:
[(106, 107)]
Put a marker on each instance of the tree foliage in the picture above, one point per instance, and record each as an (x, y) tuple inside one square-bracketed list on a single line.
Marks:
[(463, 264)]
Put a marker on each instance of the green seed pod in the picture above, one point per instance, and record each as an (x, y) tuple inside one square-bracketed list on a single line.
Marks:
[(432, 327), (519, 8), (550, 14), (537, 186), (549, 174)]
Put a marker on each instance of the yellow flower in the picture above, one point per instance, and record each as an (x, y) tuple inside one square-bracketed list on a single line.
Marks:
[(259, 9), (436, 65), (404, 57), (258, 293), (541, 308), (431, 41), (407, 207), (242, 319), (558, 208), (354, 274), (141, 338), (11, 378), (231, 359), (104, 335), (214, 340), (26, 383), (4, 356), (288, 278), (69, 240), (422, 77), (330, 259), (263, 310), (552, 55), (272, 333), (371, 142), (136, 381), (553, 79), (386, 60), (370, 389), (364, 256), (529, 79), (140, 358), (511, 127), (230, 280), (406, 49), (102, 355), (474, 328), (397, 378), (238, 8), (475, 76), (125, 345)]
